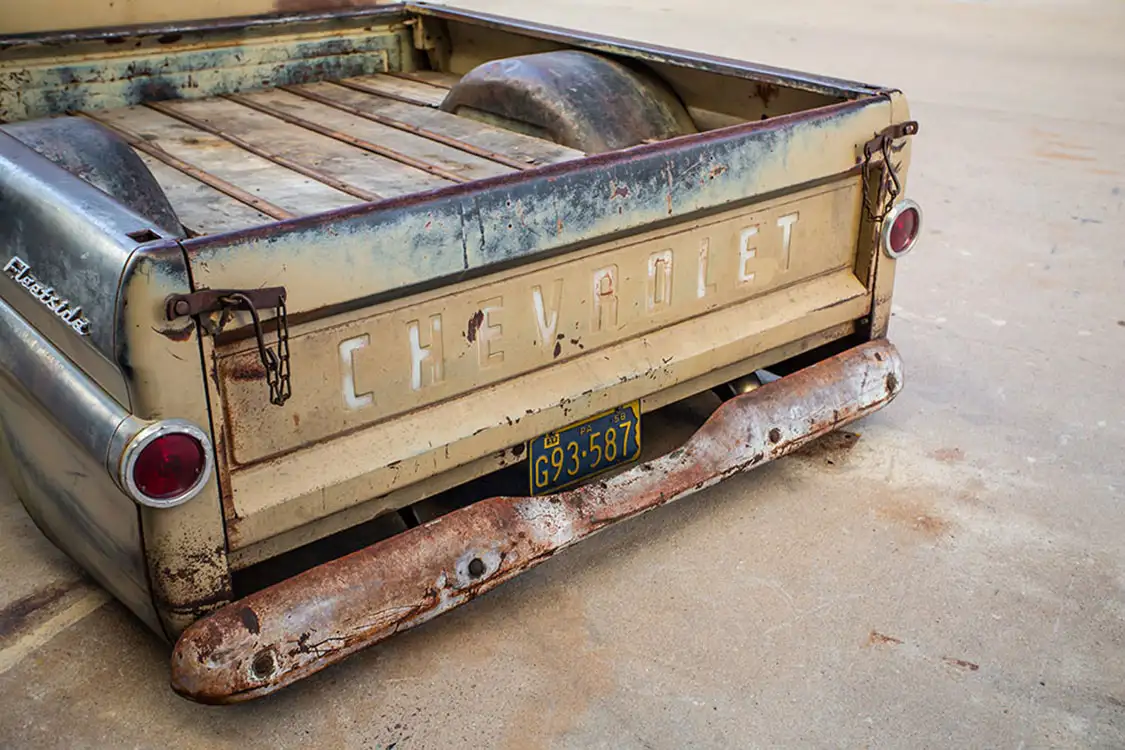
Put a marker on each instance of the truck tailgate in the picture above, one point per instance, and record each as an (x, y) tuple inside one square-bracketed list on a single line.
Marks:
[(677, 260)]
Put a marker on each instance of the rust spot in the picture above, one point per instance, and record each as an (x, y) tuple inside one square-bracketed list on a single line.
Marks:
[(916, 517), (766, 92), (892, 382), (949, 455), (960, 663), (247, 369), (250, 620), (880, 639), (16, 614), (832, 448), (558, 348), (775, 435), (618, 191), (177, 334), (296, 420), (716, 170), (475, 323)]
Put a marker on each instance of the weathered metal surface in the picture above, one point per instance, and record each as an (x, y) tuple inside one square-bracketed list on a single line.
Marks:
[(291, 630), (77, 240), (193, 28), (57, 443), (331, 475), (53, 15), (578, 99), (107, 74), (102, 159), (509, 324), (185, 546)]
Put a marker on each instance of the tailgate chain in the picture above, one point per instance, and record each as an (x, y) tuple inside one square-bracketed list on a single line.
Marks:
[(890, 186), (225, 301), (275, 362)]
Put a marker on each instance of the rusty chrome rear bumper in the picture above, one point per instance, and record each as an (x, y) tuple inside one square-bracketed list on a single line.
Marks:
[(281, 634)]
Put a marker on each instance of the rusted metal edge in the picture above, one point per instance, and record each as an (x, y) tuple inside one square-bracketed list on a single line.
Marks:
[(218, 183), (375, 90), (293, 629), (272, 156), (651, 52), (407, 127), (351, 140)]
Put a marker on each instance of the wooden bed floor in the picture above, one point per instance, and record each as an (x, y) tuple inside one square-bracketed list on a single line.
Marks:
[(237, 161)]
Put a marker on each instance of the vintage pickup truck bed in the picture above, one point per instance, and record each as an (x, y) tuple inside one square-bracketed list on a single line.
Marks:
[(274, 284), (238, 161)]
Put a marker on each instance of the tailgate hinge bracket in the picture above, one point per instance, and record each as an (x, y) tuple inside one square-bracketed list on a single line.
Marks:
[(890, 186), (275, 360)]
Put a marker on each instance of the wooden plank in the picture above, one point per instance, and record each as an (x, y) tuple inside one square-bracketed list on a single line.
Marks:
[(352, 140), (533, 151), (146, 146), (261, 178), (430, 77), (342, 161), (400, 125), (464, 165), (201, 208), (401, 89), (265, 153)]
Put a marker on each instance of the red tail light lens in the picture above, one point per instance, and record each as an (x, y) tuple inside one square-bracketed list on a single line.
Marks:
[(166, 463), (901, 227), (169, 466)]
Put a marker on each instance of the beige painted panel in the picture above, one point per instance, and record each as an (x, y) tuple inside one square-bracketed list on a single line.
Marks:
[(365, 510), (59, 15), (426, 350), (292, 490)]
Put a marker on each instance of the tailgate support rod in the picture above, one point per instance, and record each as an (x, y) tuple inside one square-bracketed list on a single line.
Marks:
[(292, 629)]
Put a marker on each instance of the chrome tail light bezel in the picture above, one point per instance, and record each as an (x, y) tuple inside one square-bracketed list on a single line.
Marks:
[(888, 224), (142, 440)]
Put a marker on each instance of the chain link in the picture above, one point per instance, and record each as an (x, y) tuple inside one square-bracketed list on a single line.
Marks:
[(890, 185), (276, 363)]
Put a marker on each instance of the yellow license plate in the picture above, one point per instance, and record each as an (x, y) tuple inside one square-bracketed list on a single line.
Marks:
[(560, 459)]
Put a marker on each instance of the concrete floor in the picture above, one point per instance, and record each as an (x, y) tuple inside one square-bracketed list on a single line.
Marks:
[(955, 578)]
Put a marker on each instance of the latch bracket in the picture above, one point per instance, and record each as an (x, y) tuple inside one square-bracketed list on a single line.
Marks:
[(890, 186), (275, 360)]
